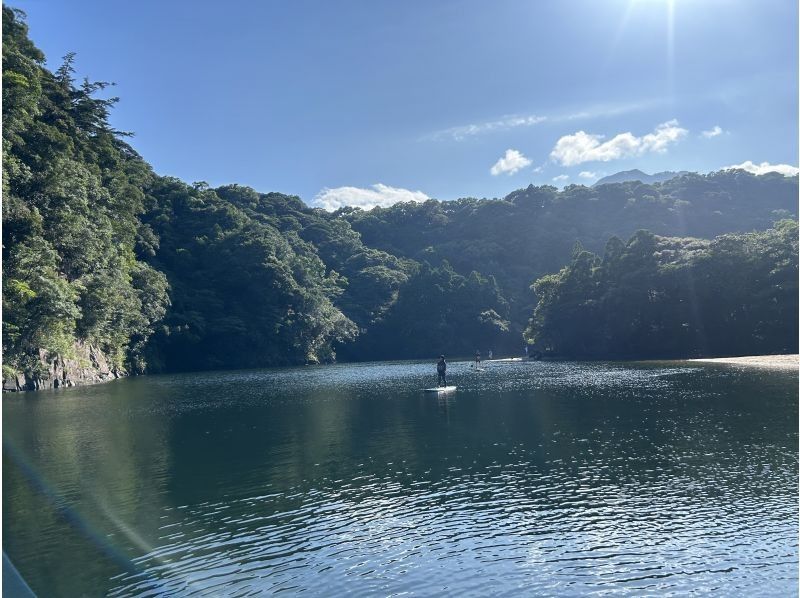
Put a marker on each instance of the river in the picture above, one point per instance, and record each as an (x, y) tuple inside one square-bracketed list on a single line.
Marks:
[(533, 478)]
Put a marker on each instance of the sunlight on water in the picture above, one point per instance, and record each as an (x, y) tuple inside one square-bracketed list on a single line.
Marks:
[(533, 478)]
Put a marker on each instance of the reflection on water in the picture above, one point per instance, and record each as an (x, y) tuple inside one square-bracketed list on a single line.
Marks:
[(534, 478)]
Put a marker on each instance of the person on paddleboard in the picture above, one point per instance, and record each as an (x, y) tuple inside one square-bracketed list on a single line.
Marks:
[(441, 369), (477, 360)]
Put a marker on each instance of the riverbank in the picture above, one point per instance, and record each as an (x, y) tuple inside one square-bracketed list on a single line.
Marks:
[(783, 362)]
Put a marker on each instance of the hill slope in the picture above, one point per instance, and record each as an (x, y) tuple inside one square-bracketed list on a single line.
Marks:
[(533, 231)]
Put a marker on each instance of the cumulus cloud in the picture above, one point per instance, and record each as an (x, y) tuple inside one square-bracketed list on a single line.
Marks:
[(717, 130), (378, 195), (561, 178), (583, 147), (765, 167), (585, 174), (512, 162)]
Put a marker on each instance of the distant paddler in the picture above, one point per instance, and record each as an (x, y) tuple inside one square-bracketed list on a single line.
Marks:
[(441, 369), (477, 360)]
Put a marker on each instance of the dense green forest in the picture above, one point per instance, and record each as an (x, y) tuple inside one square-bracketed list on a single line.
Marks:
[(531, 232), (670, 297), (260, 279), (164, 275), (73, 192)]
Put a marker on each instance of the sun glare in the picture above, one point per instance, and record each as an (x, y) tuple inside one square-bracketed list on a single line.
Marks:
[(668, 6)]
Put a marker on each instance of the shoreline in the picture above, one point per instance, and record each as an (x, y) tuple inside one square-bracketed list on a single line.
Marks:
[(783, 362), (775, 362)]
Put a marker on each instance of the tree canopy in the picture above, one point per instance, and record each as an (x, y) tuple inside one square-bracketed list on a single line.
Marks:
[(73, 192), (670, 297)]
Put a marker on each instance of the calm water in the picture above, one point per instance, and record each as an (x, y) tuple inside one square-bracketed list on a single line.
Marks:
[(533, 478)]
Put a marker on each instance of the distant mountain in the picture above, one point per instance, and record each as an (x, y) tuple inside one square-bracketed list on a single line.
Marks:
[(638, 175)]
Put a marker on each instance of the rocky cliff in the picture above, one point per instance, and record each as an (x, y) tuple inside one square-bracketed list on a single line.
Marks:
[(86, 365)]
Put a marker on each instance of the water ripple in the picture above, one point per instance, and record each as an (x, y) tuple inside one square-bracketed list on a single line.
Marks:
[(534, 479)]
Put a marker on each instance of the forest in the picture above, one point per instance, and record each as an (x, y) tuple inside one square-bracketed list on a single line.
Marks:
[(673, 297), (163, 275)]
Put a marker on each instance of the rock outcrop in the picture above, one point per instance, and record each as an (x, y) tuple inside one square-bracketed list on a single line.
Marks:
[(88, 365)]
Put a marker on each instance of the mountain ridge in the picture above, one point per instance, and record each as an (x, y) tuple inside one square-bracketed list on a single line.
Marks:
[(625, 176)]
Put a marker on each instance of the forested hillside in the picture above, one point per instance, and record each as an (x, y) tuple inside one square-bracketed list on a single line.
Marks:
[(73, 191), (260, 279), (108, 265), (665, 297), (532, 231)]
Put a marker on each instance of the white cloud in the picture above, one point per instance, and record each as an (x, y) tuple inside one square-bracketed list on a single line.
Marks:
[(607, 110), (717, 130), (560, 178), (583, 147), (765, 167), (503, 124), (585, 174), (506, 123), (512, 162), (379, 195)]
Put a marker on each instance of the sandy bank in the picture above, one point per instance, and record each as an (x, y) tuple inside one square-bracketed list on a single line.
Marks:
[(784, 362)]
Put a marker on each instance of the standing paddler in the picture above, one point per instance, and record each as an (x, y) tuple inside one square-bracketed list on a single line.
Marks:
[(441, 369)]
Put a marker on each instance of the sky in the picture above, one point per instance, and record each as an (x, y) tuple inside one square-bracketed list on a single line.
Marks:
[(368, 103)]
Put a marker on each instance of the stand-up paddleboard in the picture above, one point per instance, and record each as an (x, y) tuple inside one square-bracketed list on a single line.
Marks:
[(440, 389)]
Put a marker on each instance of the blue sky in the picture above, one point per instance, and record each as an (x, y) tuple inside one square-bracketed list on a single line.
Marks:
[(379, 101)]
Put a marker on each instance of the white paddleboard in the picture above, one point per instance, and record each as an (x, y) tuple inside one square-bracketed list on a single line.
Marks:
[(440, 389)]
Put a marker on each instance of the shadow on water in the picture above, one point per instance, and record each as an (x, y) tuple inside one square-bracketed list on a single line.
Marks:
[(533, 477)]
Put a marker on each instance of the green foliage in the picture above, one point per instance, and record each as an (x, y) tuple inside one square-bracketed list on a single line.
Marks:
[(534, 230), (9, 372), (39, 304), (367, 280), (666, 297), (72, 200), (247, 290), (439, 311)]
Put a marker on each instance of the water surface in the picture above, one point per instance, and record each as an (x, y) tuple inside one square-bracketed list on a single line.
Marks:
[(532, 478)]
